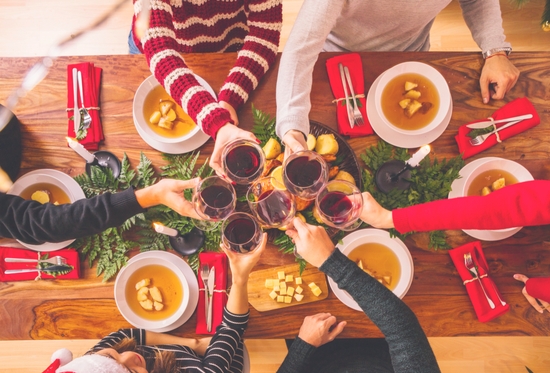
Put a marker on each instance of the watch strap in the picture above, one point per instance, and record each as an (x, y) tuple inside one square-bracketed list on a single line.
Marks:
[(493, 51)]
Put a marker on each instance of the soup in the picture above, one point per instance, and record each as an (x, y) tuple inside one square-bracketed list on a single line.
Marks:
[(182, 125), (489, 181), (45, 193), (395, 94), (379, 261), (162, 278)]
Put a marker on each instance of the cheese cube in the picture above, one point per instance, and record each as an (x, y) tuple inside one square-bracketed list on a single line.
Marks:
[(280, 299), (282, 285), (282, 291), (299, 290), (298, 297), (276, 287), (289, 278), (298, 280), (273, 295), (269, 283), (288, 299), (316, 291), (281, 275), (312, 285), (290, 291)]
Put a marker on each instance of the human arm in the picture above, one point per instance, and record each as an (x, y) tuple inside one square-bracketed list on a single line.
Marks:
[(536, 291), (409, 348)]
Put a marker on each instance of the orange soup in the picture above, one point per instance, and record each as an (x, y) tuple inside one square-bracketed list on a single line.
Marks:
[(182, 125), (379, 261), (394, 93), (486, 180), (56, 195), (166, 281)]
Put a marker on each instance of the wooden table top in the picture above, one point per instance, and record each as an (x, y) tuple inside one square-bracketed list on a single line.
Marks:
[(85, 308)]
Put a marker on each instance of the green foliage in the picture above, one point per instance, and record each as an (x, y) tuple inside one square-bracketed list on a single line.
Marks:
[(480, 131), (264, 126)]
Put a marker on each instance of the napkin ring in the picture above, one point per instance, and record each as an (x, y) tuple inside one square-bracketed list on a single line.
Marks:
[(337, 100), (495, 129), (87, 108), (473, 279), (216, 291)]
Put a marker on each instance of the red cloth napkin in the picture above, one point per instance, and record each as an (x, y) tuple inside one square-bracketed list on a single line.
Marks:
[(219, 299), (481, 306), (91, 82), (520, 106), (539, 287), (7, 252), (355, 66)]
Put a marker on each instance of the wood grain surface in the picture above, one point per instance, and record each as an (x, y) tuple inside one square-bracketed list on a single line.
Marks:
[(258, 294), (85, 308)]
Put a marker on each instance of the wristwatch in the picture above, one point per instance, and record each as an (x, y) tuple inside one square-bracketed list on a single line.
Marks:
[(492, 52)]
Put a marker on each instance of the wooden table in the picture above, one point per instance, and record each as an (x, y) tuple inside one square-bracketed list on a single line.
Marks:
[(85, 308)]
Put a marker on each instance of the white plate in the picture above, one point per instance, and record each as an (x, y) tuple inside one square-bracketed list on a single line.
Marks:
[(456, 191), (399, 139), (196, 141), (246, 360), (383, 237), (191, 280), (74, 190)]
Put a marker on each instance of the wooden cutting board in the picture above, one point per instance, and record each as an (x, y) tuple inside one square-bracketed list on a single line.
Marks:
[(258, 294)]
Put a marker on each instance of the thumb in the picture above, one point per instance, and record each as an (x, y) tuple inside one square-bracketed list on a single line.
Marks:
[(337, 330), (521, 277), (186, 184), (292, 233), (484, 85), (299, 226)]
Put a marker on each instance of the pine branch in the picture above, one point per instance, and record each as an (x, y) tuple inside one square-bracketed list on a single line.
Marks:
[(264, 126), (145, 172)]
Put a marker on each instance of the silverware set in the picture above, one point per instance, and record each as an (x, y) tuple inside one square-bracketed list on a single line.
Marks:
[(478, 140), (52, 265), (82, 118), (354, 114), (208, 276), (472, 268)]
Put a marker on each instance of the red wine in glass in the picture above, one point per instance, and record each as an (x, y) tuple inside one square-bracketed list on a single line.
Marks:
[(243, 161), (274, 207), (303, 172), (337, 206), (241, 233), (216, 199)]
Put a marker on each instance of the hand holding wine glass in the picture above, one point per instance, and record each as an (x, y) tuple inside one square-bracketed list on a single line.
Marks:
[(214, 200), (241, 233), (305, 173), (225, 135), (273, 207), (243, 161), (340, 204)]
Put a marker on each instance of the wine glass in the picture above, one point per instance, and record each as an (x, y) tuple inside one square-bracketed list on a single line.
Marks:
[(305, 173), (274, 208), (339, 204), (243, 161), (241, 233), (214, 200)]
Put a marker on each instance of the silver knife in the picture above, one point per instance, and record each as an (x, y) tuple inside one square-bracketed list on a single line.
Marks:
[(51, 268), (211, 286), (488, 123), (344, 84), (76, 118)]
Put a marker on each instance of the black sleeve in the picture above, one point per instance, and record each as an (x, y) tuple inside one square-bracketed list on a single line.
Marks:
[(34, 223)]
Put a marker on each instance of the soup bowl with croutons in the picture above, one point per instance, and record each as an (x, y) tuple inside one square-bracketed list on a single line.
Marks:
[(412, 98), (151, 293)]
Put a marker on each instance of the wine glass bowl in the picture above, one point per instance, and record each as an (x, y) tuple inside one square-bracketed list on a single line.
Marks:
[(273, 207), (241, 233), (243, 161), (305, 173), (339, 204), (214, 200)]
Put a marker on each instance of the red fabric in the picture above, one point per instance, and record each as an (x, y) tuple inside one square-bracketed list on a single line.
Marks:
[(91, 83), (481, 306), (539, 288), (518, 205), (355, 66), (520, 106), (219, 299), (6, 252), (53, 366)]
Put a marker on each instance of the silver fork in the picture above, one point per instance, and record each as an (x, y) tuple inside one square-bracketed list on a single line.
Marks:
[(205, 271), (470, 266), (357, 116), (56, 260), (478, 140), (86, 117)]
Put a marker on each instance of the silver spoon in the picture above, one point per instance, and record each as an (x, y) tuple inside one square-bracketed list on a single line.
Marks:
[(86, 117)]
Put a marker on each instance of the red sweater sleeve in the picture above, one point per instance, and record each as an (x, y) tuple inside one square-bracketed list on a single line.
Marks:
[(265, 20), (539, 288), (518, 205)]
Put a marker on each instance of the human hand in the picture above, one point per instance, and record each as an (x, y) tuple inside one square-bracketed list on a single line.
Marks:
[(241, 264), (169, 192), (374, 214), (532, 300), (231, 110), (294, 142), (500, 72), (320, 329), (312, 242), (225, 135)]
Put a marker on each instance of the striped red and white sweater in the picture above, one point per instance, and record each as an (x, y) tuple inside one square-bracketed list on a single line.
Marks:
[(251, 27)]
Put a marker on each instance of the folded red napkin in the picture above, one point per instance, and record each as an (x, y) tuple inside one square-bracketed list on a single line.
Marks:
[(481, 306), (520, 106), (355, 66), (539, 287), (7, 252), (91, 82), (219, 299)]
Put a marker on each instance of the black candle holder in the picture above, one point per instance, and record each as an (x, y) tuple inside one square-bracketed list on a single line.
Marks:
[(391, 175), (107, 160), (189, 243)]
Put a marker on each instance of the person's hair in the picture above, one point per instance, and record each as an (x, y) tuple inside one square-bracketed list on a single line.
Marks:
[(165, 361)]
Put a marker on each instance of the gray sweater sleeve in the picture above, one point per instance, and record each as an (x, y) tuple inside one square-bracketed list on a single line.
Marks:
[(409, 348)]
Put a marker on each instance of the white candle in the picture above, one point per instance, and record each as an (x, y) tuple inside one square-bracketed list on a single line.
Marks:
[(79, 148), (419, 155), (165, 230)]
